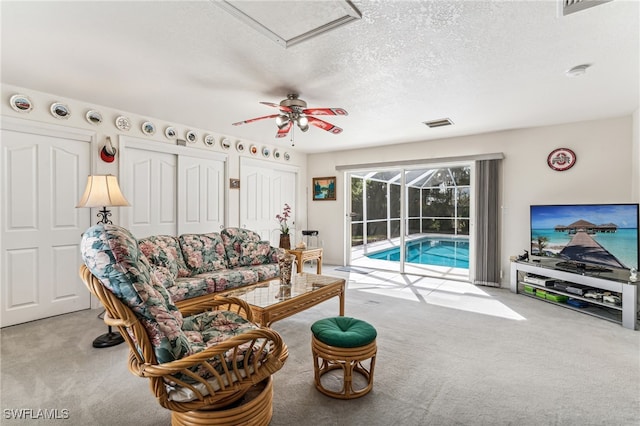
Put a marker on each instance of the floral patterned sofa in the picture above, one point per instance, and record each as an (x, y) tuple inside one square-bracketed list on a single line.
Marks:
[(194, 266)]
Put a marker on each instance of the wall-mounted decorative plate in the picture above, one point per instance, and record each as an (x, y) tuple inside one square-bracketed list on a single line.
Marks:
[(148, 128), (253, 149), (93, 117), (240, 146), (192, 136), (226, 144), (123, 123), (276, 154), (170, 132), (287, 157), (265, 152), (209, 140), (60, 111), (21, 103), (561, 159)]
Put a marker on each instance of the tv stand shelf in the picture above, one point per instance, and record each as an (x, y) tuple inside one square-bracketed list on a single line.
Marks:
[(625, 314)]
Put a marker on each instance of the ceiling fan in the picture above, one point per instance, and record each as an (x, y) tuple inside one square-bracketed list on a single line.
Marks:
[(294, 110)]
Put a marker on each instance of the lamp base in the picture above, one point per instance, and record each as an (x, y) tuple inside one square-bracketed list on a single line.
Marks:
[(108, 339)]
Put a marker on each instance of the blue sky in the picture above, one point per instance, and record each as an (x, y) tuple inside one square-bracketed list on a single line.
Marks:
[(623, 215)]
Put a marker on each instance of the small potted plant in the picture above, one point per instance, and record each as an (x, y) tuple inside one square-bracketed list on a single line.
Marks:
[(285, 240)]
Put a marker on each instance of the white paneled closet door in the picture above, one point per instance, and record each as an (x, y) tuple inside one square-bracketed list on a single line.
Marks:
[(44, 172), (200, 195), (172, 190), (264, 190), (150, 185)]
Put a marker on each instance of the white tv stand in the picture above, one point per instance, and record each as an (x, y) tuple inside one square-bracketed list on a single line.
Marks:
[(614, 282)]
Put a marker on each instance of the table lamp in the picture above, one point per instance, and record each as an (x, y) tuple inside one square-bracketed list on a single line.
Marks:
[(103, 191)]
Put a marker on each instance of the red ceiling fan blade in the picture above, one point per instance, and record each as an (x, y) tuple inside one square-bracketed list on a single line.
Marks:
[(324, 125), (283, 132), (251, 120), (325, 111), (281, 107)]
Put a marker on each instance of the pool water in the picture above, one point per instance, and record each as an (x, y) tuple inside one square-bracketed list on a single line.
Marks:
[(430, 251)]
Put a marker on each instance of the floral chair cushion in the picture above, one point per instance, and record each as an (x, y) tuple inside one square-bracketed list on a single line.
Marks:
[(203, 252), (164, 250), (112, 255), (233, 238)]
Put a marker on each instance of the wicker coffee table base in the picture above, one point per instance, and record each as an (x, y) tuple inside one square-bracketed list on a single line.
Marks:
[(327, 358), (254, 410)]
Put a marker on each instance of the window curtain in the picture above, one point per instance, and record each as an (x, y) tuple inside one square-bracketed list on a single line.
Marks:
[(487, 268)]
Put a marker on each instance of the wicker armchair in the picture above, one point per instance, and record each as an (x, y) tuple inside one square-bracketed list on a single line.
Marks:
[(197, 380)]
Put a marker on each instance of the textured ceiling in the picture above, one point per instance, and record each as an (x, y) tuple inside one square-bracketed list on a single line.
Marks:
[(486, 65)]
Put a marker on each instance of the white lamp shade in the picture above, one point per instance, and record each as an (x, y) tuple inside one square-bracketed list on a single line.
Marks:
[(102, 191)]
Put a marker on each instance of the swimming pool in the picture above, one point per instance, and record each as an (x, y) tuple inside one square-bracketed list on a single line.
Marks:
[(430, 251)]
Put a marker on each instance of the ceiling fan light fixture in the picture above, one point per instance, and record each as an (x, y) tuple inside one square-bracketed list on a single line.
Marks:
[(282, 121), (304, 128), (303, 121)]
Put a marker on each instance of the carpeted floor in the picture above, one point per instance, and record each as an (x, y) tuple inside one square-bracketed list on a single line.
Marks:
[(448, 353)]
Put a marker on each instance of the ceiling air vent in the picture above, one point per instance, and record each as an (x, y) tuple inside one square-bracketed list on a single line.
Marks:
[(573, 6), (439, 123)]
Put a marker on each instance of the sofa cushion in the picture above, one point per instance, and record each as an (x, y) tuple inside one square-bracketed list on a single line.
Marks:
[(254, 253), (265, 271), (211, 282), (164, 250), (232, 238), (203, 252)]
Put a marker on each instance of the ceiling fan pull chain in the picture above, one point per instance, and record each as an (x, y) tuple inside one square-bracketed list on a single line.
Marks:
[(293, 129)]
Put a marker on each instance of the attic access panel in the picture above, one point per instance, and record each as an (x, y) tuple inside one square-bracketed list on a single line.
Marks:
[(291, 22)]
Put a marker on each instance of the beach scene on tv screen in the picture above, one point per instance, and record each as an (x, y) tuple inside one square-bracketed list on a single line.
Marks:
[(605, 235)]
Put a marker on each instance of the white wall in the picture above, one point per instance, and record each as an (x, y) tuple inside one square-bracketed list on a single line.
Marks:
[(602, 174), (635, 157), (40, 113)]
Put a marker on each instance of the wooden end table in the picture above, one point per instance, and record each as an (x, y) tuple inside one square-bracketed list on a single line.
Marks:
[(302, 255)]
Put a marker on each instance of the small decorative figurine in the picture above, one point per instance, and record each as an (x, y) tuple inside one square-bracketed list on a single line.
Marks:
[(524, 257)]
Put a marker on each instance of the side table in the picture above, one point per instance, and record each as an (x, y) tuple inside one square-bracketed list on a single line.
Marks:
[(302, 255)]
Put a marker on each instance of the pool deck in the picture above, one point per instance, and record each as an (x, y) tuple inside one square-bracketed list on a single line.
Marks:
[(359, 259)]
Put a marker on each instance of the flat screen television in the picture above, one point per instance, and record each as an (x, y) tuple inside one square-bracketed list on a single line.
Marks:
[(596, 237)]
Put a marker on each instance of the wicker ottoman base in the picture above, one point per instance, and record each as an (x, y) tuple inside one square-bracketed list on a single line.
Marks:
[(255, 409), (351, 360)]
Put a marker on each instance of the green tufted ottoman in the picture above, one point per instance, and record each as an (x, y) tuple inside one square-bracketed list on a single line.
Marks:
[(344, 343)]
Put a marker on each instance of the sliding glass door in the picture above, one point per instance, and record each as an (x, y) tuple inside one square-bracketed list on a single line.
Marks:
[(413, 220), (376, 218)]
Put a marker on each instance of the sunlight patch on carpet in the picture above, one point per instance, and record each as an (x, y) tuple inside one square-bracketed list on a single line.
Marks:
[(448, 294)]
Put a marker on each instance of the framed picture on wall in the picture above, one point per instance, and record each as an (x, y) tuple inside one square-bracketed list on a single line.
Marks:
[(324, 188)]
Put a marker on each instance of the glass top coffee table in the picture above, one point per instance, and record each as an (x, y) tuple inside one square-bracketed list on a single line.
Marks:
[(271, 301)]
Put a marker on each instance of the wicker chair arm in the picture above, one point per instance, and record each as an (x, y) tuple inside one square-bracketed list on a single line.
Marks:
[(118, 322), (229, 303), (178, 366)]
